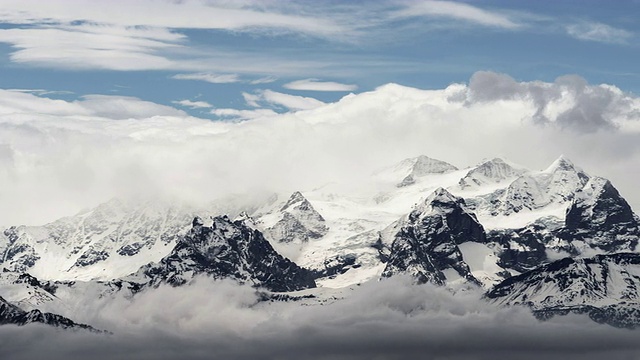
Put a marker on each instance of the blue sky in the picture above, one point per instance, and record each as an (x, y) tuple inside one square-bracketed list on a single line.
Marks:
[(201, 56)]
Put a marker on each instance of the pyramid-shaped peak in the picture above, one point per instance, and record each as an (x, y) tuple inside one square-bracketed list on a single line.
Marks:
[(441, 195), (296, 199), (561, 164), (424, 165), (440, 201)]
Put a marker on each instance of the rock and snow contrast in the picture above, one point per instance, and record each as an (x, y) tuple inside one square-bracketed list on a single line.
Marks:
[(558, 240)]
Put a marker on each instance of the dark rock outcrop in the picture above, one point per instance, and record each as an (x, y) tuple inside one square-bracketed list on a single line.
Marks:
[(228, 249)]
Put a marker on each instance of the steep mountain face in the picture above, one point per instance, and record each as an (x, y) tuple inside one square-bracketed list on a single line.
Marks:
[(26, 291), (525, 248), (299, 222), (427, 243), (601, 280), (11, 314), (227, 249), (111, 240), (601, 218), (489, 173)]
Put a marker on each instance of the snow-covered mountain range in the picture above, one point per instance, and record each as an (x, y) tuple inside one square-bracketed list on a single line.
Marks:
[(556, 240)]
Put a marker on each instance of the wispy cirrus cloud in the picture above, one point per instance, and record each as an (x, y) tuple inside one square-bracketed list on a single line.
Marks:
[(317, 85), (209, 77), (193, 104), (190, 14), (273, 98), (458, 11), (263, 80), (90, 47), (595, 31)]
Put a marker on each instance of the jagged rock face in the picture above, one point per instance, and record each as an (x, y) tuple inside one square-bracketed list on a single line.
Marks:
[(622, 315), (427, 243), (489, 172), (602, 218), (338, 264), (300, 222), (522, 249), (228, 250), (11, 314), (597, 281)]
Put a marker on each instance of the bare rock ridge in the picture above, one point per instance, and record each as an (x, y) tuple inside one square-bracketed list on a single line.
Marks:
[(427, 243), (228, 249), (606, 287), (11, 314)]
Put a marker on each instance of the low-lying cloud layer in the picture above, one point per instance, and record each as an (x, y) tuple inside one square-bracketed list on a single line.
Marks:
[(57, 156), (391, 319)]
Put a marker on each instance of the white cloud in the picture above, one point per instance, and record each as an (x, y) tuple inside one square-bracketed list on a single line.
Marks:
[(209, 77), (591, 31), (458, 11), (125, 107), (316, 85), (124, 35), (251, 99), (291, 102), (74, 47), (390, 319), (62, 156), (273, 98), (193, 104), (263, 80), (190, 14), (243, 114)]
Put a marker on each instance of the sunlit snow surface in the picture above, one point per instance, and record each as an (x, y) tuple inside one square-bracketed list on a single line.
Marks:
[(502, 195)]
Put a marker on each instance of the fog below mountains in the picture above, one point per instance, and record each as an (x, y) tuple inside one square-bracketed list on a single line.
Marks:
[(390, 319), (58, 157)]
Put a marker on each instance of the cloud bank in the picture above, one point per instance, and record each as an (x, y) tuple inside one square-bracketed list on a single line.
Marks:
[(61, 156), (391, 319)]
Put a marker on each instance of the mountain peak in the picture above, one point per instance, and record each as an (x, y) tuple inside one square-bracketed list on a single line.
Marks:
[(424, 165), (232, 250), (295, 199), (299, 221), (561, 163), (440, 201), (197, 221), (441, 195), (490, 172)]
